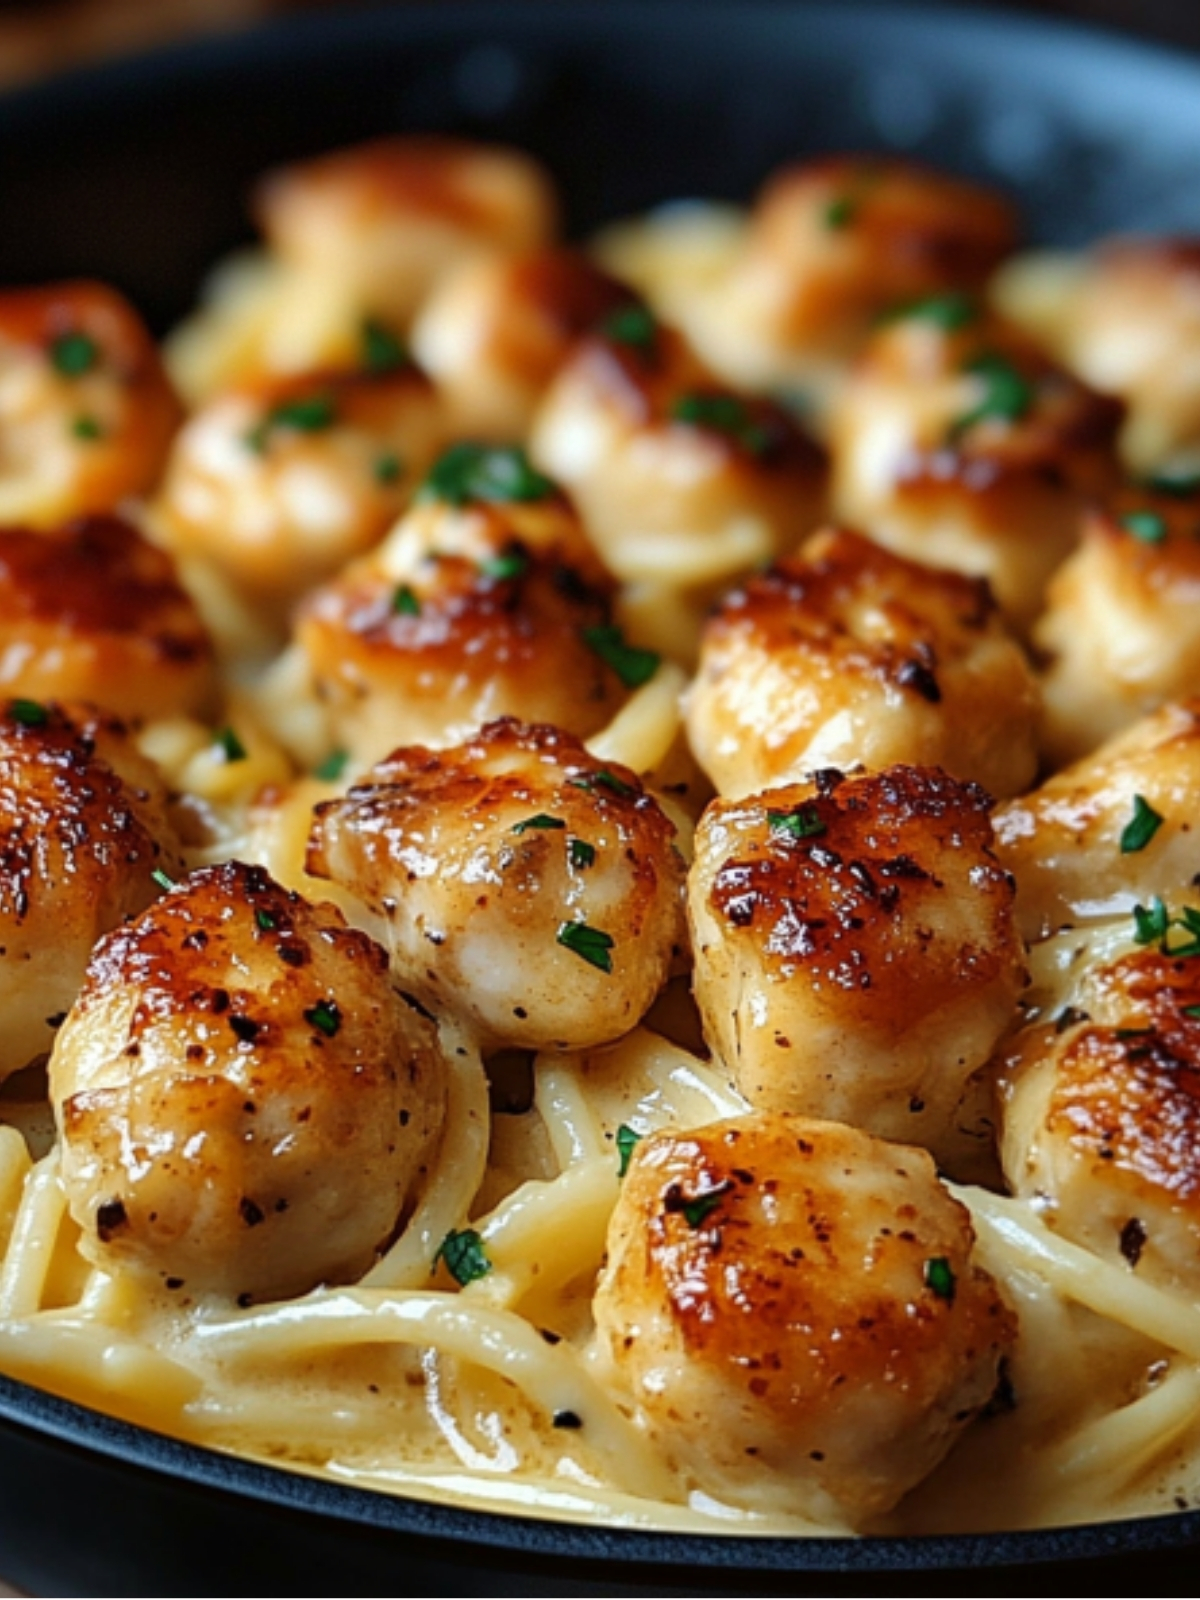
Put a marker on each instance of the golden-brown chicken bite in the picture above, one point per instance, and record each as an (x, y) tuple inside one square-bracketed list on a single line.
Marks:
[(92, 611), (86, 410), (1101, 1108), (485, 600), (957, 442), (243, 1099), (793, 1307), (1115, 829), (681, 481), (1121, 630), (528, 888), (846, 654), (83, 829), (279, 483), (495, 331), (856, 955), (832, 244)]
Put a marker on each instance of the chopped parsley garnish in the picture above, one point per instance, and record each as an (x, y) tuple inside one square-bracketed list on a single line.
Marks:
[(697, 1210), (1007, 395), (382, 348), (230, 745), (949, 311), (73, 354), (1141, 827), (463, 1252), (604, 779), (840, 213), (508, 564), (1150, 922), (632, 665), (162, 879), (1147, 526), (803, 823), (592, 945), (405, 602), (309, 414), (723, 413), (29, 713), (635, 326), (627, 1141), (939, 1277), (333, 765), (265, 920), (87, 427), (580, 853), (492, 474), (1154, 923), (1180, 482), (1191, 1011), (388, 468), (540, 821), (325, 1016)]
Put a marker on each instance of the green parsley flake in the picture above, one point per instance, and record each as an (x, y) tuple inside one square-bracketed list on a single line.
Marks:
[(507, 565), (73, 354), (405, 602), (162, 879), (464, 1254), (697, 1210), (1150, 922), (604, 779), (632, 665), (627, 1141), (1178, 482), (388, 468), (581, 854), (1147, 526), (310, 414), (1154, 923), (590, 944), (1007, 395), (803, 823), (230, 745), (29, 713), (265, 920), (333, 766), (840, 213), (540, 821), (1141, 827), (492, 475), (939, 1277), (87, 427), (950, 312), (1191, 1011), (326, 1016), (726, 414), (382, 348), (634, 326)]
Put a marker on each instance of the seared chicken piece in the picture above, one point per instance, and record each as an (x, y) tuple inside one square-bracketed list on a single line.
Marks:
[(1101, 1108), (485, 600), (528, 888), (1121, 629), (856, 957), (793, 1307), (848, 654), (91, 611), (83, 830), (86, 410), (957, 442), (244, 1100), (1113, 831), (495, 332), (281, 482)]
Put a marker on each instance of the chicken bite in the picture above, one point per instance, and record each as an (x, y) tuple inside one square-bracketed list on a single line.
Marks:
[(244, 1101), (524, 886), (856, 955), (793, 1307), (846, 654)]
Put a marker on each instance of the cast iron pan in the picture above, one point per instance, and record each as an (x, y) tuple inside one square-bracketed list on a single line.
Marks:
[(136, 173)]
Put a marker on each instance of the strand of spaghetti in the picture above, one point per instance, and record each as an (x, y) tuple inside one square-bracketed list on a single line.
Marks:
[(31, 1247), (707, 1092), (454, 1178), (1008, 1228), (644, 729), (551, 1376), (15, 1167), (547, 1232), (563, 1105), (85, 1361), (1119, 1445)]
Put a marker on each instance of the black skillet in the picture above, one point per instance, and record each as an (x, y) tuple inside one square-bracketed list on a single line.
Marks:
[(136, 173)]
